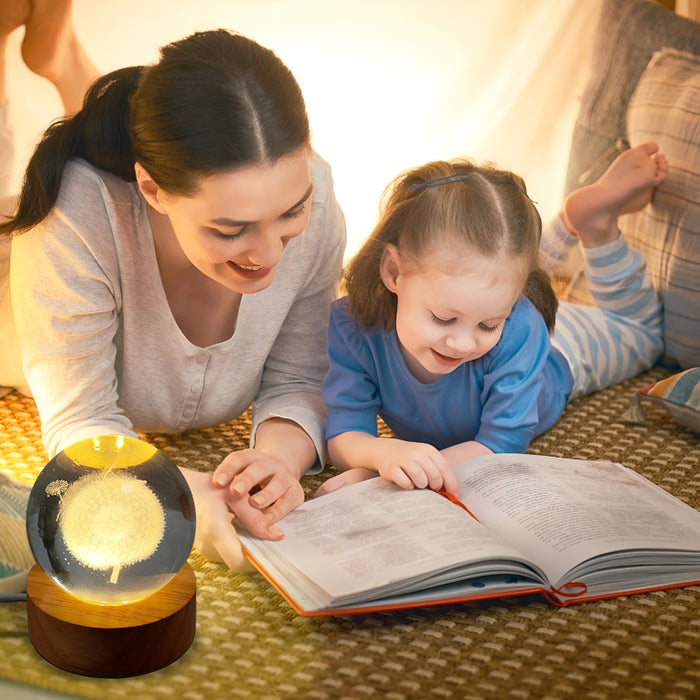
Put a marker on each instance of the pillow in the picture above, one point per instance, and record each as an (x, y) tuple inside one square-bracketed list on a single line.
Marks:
[(16, 557), (679, 394), (628, 33), (665, 108)]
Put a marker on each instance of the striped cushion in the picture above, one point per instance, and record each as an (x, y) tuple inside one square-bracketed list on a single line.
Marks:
[(678, 394), (665, 107), (15, 555)]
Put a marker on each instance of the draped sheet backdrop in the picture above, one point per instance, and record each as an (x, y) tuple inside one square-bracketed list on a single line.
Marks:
[(388, 83)]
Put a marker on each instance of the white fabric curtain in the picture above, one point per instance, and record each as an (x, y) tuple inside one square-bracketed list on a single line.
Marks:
[(388, 83)]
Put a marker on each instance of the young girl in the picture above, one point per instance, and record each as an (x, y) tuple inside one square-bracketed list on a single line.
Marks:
[(174, 252), (445, 332)]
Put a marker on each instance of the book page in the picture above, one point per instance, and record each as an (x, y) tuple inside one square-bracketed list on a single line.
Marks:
[(561, 512), (376, 536)]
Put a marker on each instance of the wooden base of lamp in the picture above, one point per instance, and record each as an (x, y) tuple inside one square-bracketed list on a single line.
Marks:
[(111, 641)]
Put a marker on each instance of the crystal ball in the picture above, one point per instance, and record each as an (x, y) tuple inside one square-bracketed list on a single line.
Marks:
[(111, 520)]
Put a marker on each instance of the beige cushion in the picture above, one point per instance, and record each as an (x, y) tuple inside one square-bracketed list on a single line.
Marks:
[(665, 107), (628, 34)]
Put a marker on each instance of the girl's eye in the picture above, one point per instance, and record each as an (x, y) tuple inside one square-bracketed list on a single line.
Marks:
[(489, 329), (441, 321)]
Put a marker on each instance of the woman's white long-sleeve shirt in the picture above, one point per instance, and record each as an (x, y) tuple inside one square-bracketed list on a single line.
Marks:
[(102, 353)]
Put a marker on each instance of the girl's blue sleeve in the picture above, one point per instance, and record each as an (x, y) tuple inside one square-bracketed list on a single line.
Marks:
[(514, 381), (350, 390)]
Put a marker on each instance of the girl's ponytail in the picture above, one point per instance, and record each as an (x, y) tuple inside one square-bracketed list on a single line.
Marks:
[(538, 289), (98, 133)]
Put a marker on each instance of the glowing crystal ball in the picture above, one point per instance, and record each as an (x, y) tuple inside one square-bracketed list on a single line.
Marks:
[(111, 520)]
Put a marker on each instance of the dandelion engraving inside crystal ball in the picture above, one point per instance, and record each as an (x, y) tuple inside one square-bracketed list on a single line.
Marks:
[(111, 520)]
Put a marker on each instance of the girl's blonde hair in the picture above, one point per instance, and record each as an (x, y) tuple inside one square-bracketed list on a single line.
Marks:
[(479, 205)]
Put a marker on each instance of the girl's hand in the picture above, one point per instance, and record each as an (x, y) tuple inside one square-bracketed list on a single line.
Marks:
[(346, 478), (240, 473), (410, 464)]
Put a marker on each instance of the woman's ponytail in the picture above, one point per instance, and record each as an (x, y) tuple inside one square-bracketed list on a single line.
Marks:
[(98, 133)]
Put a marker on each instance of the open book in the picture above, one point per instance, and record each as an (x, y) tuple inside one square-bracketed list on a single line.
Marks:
[(570, 529)]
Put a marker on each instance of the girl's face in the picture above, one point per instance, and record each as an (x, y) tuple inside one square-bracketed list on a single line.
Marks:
[(449, 312), (237, 225)]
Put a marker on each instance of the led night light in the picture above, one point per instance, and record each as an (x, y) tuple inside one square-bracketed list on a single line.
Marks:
[(111, 520)]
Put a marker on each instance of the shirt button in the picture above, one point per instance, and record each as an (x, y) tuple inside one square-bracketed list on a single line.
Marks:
[(201, 358)]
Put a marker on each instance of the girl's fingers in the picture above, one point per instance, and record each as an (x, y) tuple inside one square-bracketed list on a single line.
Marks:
[(432, 472), (405, 477), (449, 481)]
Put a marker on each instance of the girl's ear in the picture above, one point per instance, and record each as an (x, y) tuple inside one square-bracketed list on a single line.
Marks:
[(151, 192), (389, 267)]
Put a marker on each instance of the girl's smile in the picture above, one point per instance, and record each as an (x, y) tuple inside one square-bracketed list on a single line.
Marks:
[(446, 360), (449, 313)]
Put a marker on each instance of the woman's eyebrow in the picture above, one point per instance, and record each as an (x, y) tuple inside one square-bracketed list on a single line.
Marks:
[(307, 194), (232, 223)]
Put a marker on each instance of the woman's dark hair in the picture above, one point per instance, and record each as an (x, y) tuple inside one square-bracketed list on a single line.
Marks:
[(480, 205), (214, 102)]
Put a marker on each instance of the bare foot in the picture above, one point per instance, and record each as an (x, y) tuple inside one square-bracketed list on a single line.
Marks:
[(52, 50), (351, 476), (627, 185), (13, 14)]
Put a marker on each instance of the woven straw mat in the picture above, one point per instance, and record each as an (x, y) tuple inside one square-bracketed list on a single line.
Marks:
[(250, 644)]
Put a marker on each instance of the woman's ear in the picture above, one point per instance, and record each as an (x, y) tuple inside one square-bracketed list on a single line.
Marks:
[(389, 267), (149, 189)]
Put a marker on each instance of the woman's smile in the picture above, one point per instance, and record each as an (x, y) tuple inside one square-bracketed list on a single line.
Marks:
[(237, 225), (249, 272)]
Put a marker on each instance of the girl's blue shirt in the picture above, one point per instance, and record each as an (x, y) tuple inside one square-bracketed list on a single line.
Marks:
[(502, 400)]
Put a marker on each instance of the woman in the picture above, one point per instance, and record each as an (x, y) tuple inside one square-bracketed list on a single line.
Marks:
[(175, 248)]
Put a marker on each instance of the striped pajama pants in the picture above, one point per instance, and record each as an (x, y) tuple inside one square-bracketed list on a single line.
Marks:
[(622, 335)]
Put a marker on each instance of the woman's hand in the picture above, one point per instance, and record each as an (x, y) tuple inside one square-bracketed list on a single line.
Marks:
[(225, 496), (282, 454), (280, 491), (215, 537)]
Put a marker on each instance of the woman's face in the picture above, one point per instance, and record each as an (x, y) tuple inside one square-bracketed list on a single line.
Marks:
[(237, 225)]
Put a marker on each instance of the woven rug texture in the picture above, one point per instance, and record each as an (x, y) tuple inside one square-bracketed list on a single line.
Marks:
[(250, 644)]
